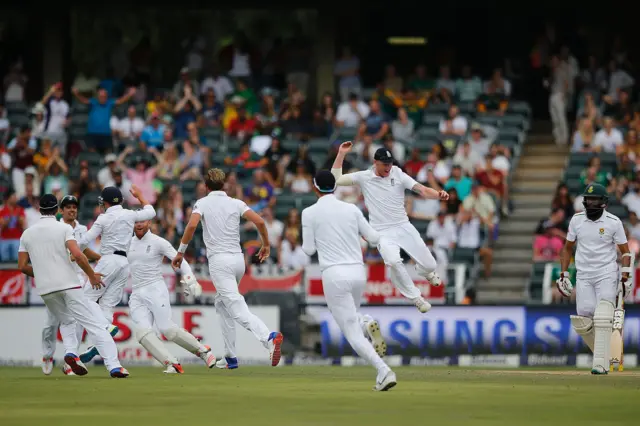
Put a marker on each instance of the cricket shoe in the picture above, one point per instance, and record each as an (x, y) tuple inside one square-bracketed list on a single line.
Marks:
[(119, 373), (228, 363), (422, 305), (207, 356), (174, 369), (47, 365), (67, 370), (275, 346), (75, 364), (386, 382), (598, 369), (92, 351), (433, 278), (375, 337)]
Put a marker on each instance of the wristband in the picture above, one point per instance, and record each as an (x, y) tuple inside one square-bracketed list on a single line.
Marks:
[(626, 269), (182, 248)]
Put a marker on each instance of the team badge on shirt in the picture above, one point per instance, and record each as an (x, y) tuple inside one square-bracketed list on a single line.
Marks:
[(148, 248), (393, 182), (601, 231)]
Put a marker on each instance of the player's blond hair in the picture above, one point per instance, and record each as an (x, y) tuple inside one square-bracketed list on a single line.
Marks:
[(215, 179)]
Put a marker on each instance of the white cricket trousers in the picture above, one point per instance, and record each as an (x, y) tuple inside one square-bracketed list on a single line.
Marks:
[(343, 289), (407, 238), (151, 305), (71, 306), (558, 114), (115, 274), (226, 271), (590, 291)]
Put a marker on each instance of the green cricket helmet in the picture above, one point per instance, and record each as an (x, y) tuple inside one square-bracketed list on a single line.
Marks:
[(595, 200)]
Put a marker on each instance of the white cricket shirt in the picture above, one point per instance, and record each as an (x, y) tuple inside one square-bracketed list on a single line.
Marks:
[(383, 196), (78, 231), (596, 253), (46, 243), (220, 216), (145, 257), (333, 228), (115, 226)]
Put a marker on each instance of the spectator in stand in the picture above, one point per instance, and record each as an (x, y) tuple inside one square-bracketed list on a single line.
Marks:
[(618, 80), (142, 174), (291, 255), (351, 194), (392, 80), (375, 124), (278, 159), (559, 86), (21, 148), (191, 161), (421, 82), (443, 232), (169, 166), (212, 110), (185, 112), (158, 104), (231, 186), (245, 162), (84, 183), (185, 80), (468, 87), (631, 147), (402, 128), (267, 114), (424, 208), (241, 127), (32, 178), (563, 200), (634, 225), (480, 144), (31, 205), (15, 82), (413, 165), (275, 228), (468, 160), (583, 138), (621, 110), (495, 184), (631, 200), (294, 116), (292, 222), (152, 135), (105, 175), (480, 204), (495, 98), (589, 109), (593, 78), (259, 194), (100, 111), (5, 125), (347, 69), (248, 95), (55, 175), (351, 112), (129, 127), (57, 113), (550, 235), (301, 181), (594, 174), (302, 154), (42, 157), (445, 86), (454, 124), (460, 182), (12, 224), (217, 82), (469, 237), (453, 204)]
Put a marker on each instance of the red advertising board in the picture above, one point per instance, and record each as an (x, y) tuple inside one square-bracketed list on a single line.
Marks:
[(12, 287), (379, 287)]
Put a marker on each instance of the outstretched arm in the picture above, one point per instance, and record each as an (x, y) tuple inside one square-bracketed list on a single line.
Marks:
[(336, 168)]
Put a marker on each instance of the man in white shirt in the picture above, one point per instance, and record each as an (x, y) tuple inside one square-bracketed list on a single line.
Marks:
[(443, 232), (598, 235), (46, 245), (351, 112), (130, 127), (292, 255), (220, 216), (455, 124), (608, 138), (150, 304), (57, 115), (105, 177), (383, 187), (69, 208), (333, 228), (115, 227), (558, 96), (220, 84), (468, 160), (618, 80)]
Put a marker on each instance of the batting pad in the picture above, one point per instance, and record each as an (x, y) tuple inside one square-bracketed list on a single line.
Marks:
[(603, 324), (584, 327)]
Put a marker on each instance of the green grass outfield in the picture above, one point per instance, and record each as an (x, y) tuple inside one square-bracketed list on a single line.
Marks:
[(310, 396)]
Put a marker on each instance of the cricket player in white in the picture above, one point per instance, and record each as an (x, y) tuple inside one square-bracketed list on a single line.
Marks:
[(597, 233), (149, 303), (115, 227), (383, 187), (69, 208), (333, 228), (46, 244), (220, 216)]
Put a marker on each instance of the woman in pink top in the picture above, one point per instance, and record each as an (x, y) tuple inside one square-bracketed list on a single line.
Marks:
[(142, 175)]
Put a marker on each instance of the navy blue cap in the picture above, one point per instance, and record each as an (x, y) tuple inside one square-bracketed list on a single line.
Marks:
[(48, 202), (67, 200), (111, 195), (324, 181), (383, 155)]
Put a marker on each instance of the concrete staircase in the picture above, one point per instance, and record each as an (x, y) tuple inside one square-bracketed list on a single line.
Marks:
[(533, 184)]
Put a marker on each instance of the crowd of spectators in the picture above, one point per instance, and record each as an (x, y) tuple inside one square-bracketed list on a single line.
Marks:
[(117, 132)]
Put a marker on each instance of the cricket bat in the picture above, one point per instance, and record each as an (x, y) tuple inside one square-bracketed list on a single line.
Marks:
[(617, 341)]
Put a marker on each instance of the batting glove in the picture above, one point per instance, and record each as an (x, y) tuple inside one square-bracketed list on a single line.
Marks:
[(564, 285), (190, 286), (626, 286)]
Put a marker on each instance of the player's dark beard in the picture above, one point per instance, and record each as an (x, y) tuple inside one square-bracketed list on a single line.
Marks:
[(593, 208)]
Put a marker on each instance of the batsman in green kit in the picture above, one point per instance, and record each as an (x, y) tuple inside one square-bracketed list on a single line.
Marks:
[(595, 234)]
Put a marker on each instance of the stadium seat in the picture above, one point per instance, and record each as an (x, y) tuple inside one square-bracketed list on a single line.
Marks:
[(511, 133), (465, 255), (519, 107), (488, 120), (582, 158), (319, 145), (618, 209), (432, 119), (93, 158), (89, 200), (428, 132), (79, 107), (348, 132), (424, 145), (438, 108), (421, 226), (19, 120), (516, 121), (17, 108), (535, 282)]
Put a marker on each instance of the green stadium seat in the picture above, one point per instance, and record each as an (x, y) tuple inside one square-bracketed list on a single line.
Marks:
[(89, 200), (432, 119), (77, 132), (189, 185), (467, 108), (582, 158), (18, 120), (511, 133), (421, 226), (618, 210), (305, 200), (575, 186), (79, 119), (424, 145), (319, 145), (94, 158), (535, 282), (428, 132), (464, 255), (516, 121), (17, 108), (519, 107), (212, 133), (438, 108), (488, 120), (348, 132), (141, 110), (573, 172)]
